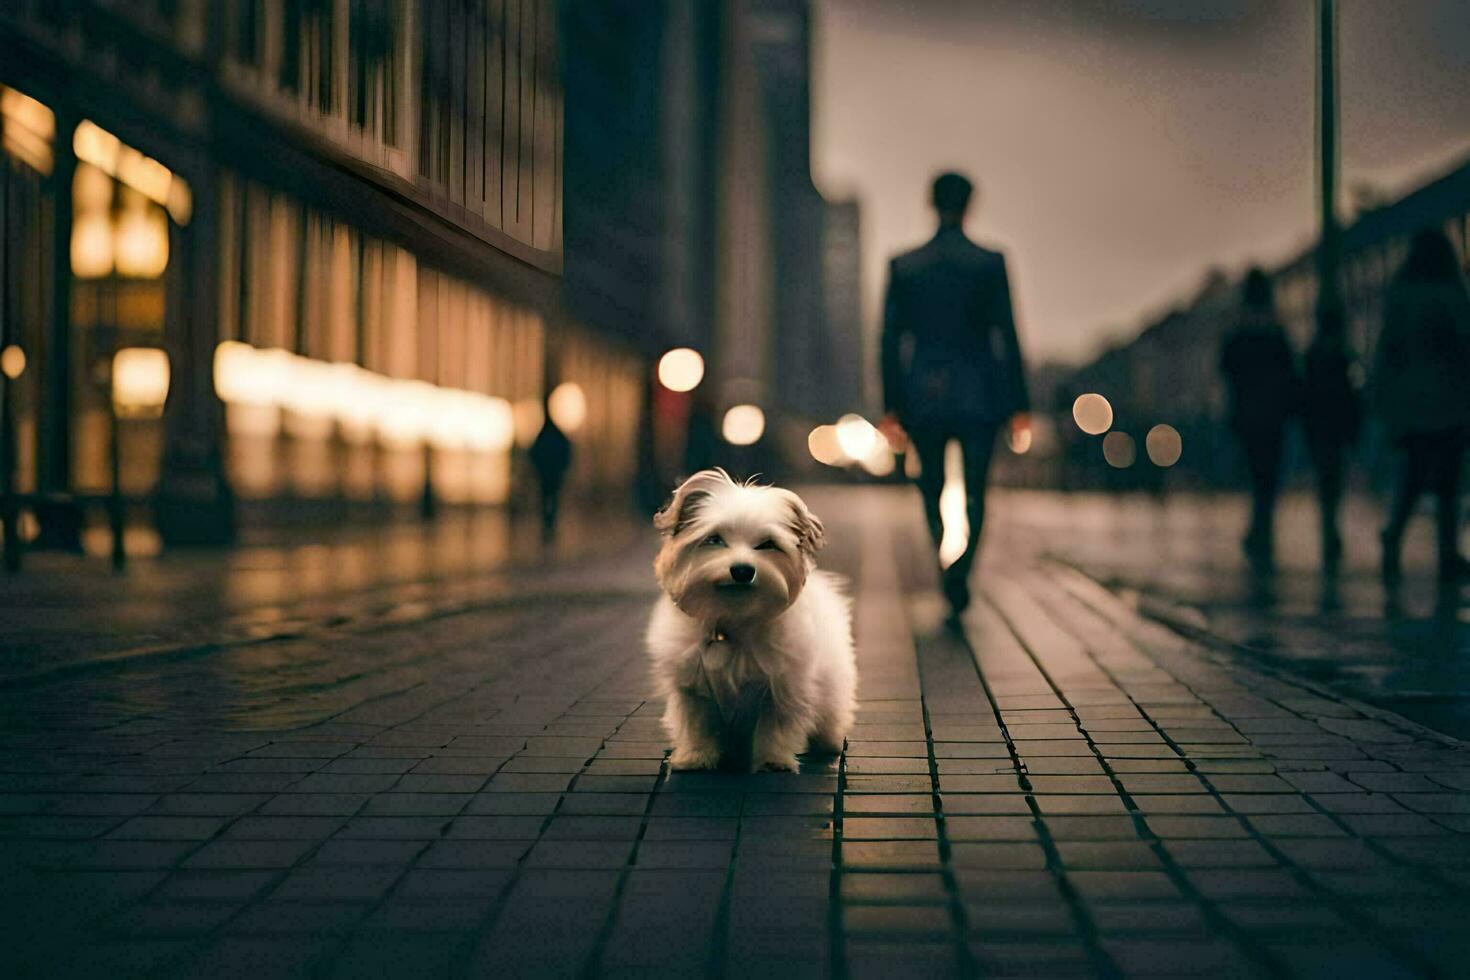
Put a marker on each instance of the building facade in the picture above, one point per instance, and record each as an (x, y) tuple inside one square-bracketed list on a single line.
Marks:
[(340, 221)]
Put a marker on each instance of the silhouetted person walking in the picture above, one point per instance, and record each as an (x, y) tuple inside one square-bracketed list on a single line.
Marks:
[(1332, 417), (952, 365), (551, 455), (1421, 389), (1260, 374)]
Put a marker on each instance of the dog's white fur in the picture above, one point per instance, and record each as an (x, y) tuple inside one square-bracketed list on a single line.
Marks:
[(752, 673)]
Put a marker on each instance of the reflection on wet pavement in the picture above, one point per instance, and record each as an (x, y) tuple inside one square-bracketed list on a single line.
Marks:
[(1181, 559)]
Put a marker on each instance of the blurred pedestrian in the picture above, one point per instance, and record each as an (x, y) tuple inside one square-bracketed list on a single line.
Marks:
[(1260, 374), (551, 455), (952, 365), (1421, 389), (1332, 418)]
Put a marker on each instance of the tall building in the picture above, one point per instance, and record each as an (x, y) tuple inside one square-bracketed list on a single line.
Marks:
[(692, 219), (330, 230), (852, 386)]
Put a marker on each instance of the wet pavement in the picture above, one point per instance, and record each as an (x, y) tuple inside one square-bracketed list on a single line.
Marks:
[(1179, 560), (474, 782)]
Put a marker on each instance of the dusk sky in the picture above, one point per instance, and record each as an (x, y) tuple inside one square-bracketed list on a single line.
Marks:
[(1123, 147)]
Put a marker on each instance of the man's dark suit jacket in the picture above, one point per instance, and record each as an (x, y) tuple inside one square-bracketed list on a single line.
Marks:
[(950, 354)]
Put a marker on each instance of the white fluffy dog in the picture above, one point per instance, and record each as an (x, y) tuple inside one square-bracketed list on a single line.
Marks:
[(751, 645)]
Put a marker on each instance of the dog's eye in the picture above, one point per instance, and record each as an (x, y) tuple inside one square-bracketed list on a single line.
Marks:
[(714, 541), (767, 545)]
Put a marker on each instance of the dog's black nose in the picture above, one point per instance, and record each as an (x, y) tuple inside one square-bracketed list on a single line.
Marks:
[(744, 574)]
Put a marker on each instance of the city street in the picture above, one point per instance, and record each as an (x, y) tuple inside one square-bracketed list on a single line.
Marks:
[(435, 753)]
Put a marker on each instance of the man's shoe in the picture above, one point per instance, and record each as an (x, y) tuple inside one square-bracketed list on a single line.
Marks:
[(956, 590)]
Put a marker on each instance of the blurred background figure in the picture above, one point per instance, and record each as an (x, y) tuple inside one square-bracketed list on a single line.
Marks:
[(702, 445), (1261, 379), (551, 455), (1421, 383), (952, 364), (1332, 416)]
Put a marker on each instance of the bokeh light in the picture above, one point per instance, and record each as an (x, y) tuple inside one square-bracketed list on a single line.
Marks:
[(1164, 446), (568, 406), (1092, 413), (140, 378), (12, 362), (681, 369), (825, 449), (1119, 450), (856, 436), (529, 417), (880, 462), (743, 425), (1019, 440)]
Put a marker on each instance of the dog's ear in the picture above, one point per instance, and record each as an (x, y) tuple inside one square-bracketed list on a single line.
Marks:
[(684, 506), (810, 535)]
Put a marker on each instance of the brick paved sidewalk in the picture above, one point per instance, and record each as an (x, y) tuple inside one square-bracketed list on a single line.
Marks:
[(1066, 789)]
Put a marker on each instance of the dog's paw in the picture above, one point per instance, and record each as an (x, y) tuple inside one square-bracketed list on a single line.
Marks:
[(787, 764), (694, 760)]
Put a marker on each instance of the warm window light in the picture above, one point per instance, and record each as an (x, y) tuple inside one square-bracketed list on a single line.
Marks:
[(140, 377), (91, 190), (144, 174), (1164, 446), (825, 449), (492, 427), (856, 436), (91, 245), (1092, 414), (405, 415), (316, 396), (29, 129), (681, 369), (568, 406), (95, 145), (12, 362), (149, 177), (1119, 450), (180, 201), (141, 245), (743, 425)]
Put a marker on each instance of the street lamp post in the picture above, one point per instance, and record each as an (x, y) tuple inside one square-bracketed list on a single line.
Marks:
[(1329, 297)]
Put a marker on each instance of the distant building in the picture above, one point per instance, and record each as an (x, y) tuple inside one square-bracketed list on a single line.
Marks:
[(849, 356), (692, 219)]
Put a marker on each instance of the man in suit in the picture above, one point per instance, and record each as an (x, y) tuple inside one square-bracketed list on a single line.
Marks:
[(951, 364)]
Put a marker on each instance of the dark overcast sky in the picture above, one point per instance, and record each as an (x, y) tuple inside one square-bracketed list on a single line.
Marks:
[(1123, 147)]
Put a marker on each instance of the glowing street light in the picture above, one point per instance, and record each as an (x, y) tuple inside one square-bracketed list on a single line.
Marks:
[(1164, 446), (743, 425), (568, 406), (1092, 414), (824, 447), (856, 436), (1119, 450), (681, 369)]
